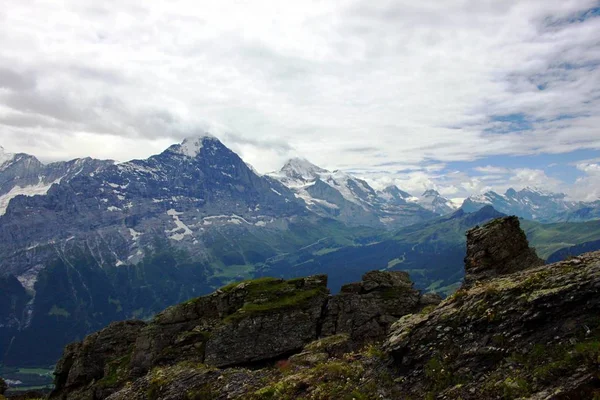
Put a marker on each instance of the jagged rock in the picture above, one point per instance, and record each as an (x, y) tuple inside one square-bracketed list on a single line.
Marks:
[(280, 323), (366, 309), (3, 386), (499, 247), (530, 333), (95, 359), (240, 324), (522, 333)]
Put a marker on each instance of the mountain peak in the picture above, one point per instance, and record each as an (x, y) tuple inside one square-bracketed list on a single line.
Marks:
[(396, 192), (191, 146), (430, 193), (5, 156), (301, 168), (537, 191)]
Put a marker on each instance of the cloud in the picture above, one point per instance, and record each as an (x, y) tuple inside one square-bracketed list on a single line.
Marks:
[(388, 87)]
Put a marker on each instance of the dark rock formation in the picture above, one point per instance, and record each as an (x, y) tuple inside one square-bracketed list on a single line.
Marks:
[(500, 247), (366, 309), (246, 323), (97, 358), (3, 386), (524, 330), (534, 331)]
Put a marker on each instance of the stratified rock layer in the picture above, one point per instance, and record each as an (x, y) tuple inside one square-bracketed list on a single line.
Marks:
[(240, 324), (366, 309), (535, 331), (500, 247)]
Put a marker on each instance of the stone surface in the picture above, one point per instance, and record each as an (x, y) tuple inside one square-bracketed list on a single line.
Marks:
[(499, 247), (249, 323), (366, 309), (92, 359), (527, 332), (3, 386)]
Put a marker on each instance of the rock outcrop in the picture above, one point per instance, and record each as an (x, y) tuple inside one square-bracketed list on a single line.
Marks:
[(366, 309), (248, 323), (498, 248), (3, 386)]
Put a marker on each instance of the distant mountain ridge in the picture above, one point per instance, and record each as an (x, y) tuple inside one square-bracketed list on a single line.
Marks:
[(536, 205), (349, 199)]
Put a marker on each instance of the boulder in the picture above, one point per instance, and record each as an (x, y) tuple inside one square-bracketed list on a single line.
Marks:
[(500, 247), (279, 320), (366, 309), (100, 357)]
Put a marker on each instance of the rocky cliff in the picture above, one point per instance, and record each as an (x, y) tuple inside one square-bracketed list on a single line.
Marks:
[(252, 323), (517, 329)]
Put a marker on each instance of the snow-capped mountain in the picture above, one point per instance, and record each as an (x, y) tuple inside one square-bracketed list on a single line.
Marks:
[(393, 195), (104, 241), (23, 174), (339, 195), (533, 204), (433, 201), (180, 192)]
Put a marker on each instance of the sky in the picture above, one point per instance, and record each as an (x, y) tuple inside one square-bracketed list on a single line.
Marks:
[(462, 96)]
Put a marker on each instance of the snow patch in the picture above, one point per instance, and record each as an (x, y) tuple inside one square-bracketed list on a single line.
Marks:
[(33, 190), (191, 147), (231, 219), (134, 234), (113, 208), (180, 226), (5, 157), (29, 278)]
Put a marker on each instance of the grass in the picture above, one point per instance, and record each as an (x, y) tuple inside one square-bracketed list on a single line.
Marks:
[(59, 312), (548, 238), (277, 303), (326, 251), (268, 294), (231, 272), (258, 283), (36, 371)]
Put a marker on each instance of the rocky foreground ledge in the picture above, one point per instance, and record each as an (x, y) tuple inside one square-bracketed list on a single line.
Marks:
[(516, 329)]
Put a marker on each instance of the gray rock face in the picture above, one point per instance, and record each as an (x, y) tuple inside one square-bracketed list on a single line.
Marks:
[(119, 209), (527, 334), (366, 309), (93, 359), (246, 323), (197, 198), (500, 247)]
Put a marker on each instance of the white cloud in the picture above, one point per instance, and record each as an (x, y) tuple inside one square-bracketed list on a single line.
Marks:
[(350, 84)]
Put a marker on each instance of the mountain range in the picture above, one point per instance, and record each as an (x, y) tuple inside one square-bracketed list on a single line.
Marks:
[(87, 242), (535, 204)]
